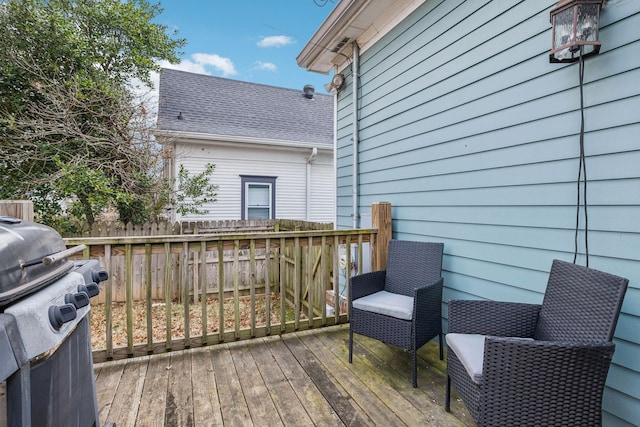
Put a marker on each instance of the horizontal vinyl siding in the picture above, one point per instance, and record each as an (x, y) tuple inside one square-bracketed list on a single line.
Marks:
[(323, 189), (344, 153), (227, 205), (231, 162), (473, 136)]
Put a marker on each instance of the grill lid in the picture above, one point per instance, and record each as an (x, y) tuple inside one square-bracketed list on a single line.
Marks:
[(31, 256)]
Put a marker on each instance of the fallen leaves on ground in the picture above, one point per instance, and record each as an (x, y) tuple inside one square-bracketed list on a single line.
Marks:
[(177, 315)]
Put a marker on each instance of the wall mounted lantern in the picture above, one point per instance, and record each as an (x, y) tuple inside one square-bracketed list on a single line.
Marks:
[(336, 83), (574, 30)]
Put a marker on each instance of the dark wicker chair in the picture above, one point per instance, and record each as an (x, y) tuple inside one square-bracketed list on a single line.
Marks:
[(537, 364), (401, 305)]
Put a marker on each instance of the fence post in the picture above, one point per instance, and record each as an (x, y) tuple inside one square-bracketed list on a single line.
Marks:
[(381, 219)]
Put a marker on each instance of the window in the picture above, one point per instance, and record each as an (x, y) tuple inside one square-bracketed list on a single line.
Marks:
[(258, 197)]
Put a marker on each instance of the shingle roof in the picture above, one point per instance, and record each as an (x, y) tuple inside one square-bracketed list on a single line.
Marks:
[(220, 106)]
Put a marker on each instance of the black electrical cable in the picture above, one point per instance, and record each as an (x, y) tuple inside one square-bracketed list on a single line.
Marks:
[(582, 173)]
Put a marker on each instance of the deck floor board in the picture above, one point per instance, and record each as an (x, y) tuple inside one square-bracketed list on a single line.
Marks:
[(206, 404), (308, 394), (233, 407), (296, 379), (284, 396), (154, 394)]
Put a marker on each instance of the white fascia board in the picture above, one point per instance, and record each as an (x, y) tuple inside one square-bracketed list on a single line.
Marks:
[(324, 38), (207, 138), (363, 21)]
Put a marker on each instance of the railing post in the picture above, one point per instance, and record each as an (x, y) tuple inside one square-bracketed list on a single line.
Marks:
[(381, 219)]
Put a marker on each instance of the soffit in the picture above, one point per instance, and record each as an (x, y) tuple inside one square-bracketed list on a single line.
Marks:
[(364, 21)]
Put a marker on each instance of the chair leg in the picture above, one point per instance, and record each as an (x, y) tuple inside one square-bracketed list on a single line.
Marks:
[(415, 372), (441, 353), (350, 345), (447, 398)]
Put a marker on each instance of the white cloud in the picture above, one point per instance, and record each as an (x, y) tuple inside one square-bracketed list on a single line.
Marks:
[(146, 96), (266, 66), (225, 65), (202, 63), (275, 41), (186, 65)]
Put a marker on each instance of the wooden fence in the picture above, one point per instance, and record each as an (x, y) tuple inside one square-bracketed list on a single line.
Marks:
[(158, 287), (22, 209), (167, 228), (210, 297), (291, 270)]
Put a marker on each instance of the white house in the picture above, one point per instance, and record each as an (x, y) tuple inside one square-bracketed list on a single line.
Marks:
[(272, 147)]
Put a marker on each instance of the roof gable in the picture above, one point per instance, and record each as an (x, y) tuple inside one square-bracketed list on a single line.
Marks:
[(225, 107)]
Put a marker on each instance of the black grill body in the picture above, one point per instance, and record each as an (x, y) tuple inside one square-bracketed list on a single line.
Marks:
[(63, 386), (46, 364), (23, 246)]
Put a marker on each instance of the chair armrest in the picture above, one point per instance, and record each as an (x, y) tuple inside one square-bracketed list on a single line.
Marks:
[(367, 284), (506, 319), (553, 383), (427, 312), (427, 299)]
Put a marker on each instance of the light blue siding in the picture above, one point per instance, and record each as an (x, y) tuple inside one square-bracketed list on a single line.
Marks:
[(473, 136)]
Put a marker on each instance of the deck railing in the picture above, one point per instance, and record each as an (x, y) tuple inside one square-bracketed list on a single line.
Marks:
[(281, 282)]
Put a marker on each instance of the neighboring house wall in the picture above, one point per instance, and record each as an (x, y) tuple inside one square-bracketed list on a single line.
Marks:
[(323, 199), (473, 136), (288, 167), (285, 137)]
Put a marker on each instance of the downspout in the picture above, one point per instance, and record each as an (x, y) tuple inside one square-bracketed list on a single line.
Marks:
[(314, 153), (335, 160), (354, 184)]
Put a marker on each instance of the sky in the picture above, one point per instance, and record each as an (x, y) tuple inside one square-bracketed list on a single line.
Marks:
[(249, 40)]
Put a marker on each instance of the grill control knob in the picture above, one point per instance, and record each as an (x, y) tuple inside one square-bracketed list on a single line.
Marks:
[(99, 276), (61, 314), (79, 300), (91, 289)]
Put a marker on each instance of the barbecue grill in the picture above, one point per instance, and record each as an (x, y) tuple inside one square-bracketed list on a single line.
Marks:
[(46, 366)]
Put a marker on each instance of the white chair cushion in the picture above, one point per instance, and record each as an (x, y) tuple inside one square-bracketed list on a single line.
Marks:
[(469, 348), (387, 303)]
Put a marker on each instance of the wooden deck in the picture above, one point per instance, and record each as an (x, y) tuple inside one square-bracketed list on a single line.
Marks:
[(297, 379)]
